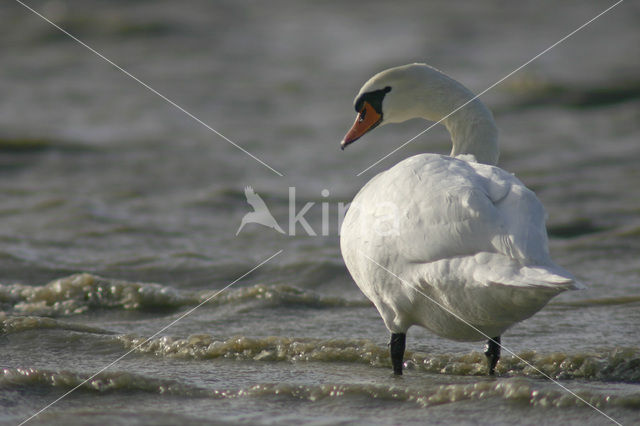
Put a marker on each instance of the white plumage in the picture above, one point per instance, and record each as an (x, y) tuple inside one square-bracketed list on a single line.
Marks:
[(468, 235)]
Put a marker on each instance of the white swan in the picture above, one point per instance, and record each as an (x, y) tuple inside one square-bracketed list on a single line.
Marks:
[(450, 243)]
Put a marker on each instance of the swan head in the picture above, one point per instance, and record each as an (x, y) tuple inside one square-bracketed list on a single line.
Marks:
[(391, 96), (421, 91), (368, 105)]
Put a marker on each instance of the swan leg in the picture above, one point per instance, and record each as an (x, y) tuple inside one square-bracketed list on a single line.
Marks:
[(492, 352), (396, 348)]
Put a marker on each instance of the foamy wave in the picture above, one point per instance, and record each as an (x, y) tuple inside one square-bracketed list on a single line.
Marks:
[(103, 382), (619, 364), (283, 295), (14, 324), (82, 292), (517, 390), (203, 346)]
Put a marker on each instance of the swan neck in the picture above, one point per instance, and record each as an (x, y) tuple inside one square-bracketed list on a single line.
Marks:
[(472, 128), (473, 131)]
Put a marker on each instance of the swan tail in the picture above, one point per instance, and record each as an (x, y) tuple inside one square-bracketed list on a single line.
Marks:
[(509, 272)]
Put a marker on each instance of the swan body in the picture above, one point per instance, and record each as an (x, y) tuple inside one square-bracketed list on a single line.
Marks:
[(450, 243)]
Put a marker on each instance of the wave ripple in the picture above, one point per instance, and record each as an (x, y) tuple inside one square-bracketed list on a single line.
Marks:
[(618, 364), (79, 293), (516, 390)]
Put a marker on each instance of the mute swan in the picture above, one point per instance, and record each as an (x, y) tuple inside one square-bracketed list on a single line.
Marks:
[(450, 243)]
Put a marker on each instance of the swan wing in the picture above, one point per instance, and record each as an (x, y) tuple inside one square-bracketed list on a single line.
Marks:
[(450, 213)]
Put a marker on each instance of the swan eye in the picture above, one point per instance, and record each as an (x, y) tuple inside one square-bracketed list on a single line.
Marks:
[(363, 114), (374, 99)]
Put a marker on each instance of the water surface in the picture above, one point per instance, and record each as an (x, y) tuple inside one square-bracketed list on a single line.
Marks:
[(119, 212)]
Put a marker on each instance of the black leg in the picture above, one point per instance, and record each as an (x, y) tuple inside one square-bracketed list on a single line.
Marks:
[(397, 351), (492, 353)]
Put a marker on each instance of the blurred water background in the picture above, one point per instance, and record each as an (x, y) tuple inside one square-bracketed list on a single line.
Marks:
[(118, 213)]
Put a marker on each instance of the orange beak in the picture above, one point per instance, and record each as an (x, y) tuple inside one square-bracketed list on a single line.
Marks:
[(367, 119)]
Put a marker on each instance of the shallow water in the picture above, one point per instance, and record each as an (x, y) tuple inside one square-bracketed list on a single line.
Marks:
[(119, 213)]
